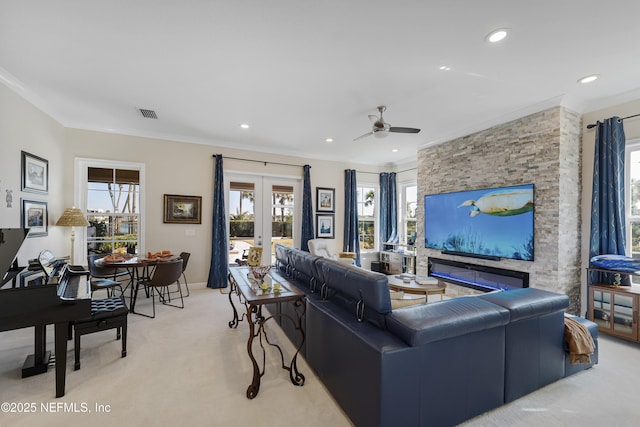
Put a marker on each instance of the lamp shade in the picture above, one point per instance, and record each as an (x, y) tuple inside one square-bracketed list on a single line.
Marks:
[(73, 217)]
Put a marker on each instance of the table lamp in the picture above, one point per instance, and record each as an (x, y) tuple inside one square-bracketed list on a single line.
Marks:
[(72, 217)]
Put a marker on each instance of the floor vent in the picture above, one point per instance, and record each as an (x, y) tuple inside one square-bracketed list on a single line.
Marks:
[(148, 114)]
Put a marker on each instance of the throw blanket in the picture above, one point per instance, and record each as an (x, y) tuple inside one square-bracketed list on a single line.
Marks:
[(579, 339)]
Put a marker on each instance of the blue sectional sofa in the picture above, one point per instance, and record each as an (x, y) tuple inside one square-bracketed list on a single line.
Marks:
[(435, 364)]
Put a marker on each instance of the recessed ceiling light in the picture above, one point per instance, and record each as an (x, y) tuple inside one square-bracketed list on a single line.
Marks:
[(395, 150), (497, 35), (445, 68), (328, 140), (244, 126), (588, 79)]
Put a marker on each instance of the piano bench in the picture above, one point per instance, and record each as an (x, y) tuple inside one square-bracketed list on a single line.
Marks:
[(106, 314)]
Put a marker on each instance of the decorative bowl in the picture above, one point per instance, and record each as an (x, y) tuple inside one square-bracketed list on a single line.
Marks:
[(259, 272)]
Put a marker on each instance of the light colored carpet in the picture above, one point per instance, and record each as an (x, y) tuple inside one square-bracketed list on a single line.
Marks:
[(187, 367)]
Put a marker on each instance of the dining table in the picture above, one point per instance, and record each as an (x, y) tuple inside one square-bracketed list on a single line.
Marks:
[(138, 267)]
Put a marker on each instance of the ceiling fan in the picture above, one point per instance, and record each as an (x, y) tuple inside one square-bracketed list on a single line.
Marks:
[(381, 128)]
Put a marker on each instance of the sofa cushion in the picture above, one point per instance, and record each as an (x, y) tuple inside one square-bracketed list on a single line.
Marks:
[(302, 266), (407, 301), (528, 302), (282, 257), (440, 320), (363, 292)]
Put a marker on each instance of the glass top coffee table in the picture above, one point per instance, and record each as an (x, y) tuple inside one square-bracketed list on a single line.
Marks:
[(431, 286)]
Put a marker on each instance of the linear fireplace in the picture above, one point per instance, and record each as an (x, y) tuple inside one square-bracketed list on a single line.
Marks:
[(479, 277)]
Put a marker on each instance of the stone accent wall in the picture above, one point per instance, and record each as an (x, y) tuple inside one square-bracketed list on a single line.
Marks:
[(544, 149)]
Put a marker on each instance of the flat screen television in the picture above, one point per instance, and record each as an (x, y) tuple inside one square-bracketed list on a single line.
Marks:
[(490, 223)]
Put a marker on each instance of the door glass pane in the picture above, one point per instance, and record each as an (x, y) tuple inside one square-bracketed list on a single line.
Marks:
[(601, 308), (282, 204), (241, 213), (623, 315)]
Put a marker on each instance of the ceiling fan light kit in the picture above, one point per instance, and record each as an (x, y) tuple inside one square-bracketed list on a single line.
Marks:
[(381, 134), (381, 128)]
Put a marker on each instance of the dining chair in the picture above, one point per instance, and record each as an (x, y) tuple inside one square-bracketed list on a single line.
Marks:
[(185, 260), (104, 278), (165, 274)]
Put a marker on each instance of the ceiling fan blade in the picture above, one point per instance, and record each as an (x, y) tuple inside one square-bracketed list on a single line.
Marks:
[(364, 136), (403, 130), (373, 118)]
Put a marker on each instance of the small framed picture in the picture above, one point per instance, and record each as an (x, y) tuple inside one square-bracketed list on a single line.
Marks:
[(255, 256), (324, 226), (325, 199), (35, 174), (35, 217), (182, 209)]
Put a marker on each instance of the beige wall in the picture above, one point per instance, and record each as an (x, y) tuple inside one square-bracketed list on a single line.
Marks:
[(171, 168), (25, 128), (631, 131), (179, 168)]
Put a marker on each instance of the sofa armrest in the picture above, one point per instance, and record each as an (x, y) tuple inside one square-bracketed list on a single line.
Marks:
[(528, 302), (440, 320)]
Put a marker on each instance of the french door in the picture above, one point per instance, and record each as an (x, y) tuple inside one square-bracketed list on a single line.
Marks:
[(261, 211)]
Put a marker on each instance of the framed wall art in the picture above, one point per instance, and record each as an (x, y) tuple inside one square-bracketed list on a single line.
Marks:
[(325, 199), (35, 217), (182, 209), (324, 226), (35, 174)]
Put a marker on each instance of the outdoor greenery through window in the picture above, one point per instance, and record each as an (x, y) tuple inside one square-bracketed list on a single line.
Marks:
[(113, 203), (366, 217), (241, 217), (242, 214), (282, 215), (633, 194), (409, 205)]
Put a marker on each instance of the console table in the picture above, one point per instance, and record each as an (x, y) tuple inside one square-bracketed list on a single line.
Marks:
[(252, 297)]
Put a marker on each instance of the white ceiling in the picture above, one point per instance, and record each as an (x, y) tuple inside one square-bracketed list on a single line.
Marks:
[(300, 71)]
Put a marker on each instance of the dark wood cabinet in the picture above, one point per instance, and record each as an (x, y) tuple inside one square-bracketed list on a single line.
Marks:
[(615, 309)]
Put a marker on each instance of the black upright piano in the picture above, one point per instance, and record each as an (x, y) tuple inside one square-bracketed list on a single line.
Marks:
[(58, 301)]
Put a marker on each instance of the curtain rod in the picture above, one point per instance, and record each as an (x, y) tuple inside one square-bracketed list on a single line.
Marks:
[(258, 161), (378, 173), (299, 166), (592, 125)]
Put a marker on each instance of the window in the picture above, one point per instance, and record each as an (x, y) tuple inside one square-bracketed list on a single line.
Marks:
[(367, 217), (112, 210), (408, 203), (111, 196), (632, 170)]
